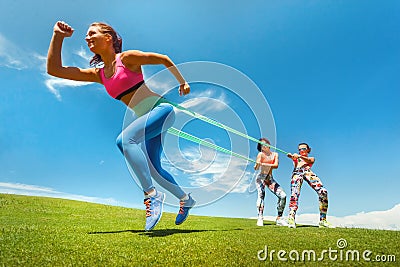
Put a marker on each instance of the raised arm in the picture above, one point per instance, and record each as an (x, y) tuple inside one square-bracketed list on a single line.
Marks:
[(133, 58), (55, 67)]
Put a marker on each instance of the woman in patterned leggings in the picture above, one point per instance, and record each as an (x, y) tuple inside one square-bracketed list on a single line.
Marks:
[(267, 161), (302, 171)]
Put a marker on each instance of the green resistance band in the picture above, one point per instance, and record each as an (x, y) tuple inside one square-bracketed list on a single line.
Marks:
[(222, 126), (203, 142)]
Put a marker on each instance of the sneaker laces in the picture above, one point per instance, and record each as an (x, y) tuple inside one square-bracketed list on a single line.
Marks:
[(147, 202), (181, 206)]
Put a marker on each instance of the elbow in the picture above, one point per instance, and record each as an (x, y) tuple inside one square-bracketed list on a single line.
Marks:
[(52, 67), (53, 73), (167, 61), (50, 70)]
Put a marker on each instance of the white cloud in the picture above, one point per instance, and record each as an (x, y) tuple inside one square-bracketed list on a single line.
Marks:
[(159, 87), (12, 56), (211, 170), (201, 101), (383, 220), (387, 219), (41, 62), (84, 54), (201, 181), (15, 57), (4, 187), (54, 83), (210, 93), (34, 190)]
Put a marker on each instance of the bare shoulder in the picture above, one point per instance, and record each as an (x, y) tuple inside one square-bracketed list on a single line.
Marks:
[(95, 73), (132, 59), (131, 53), (136, 57)]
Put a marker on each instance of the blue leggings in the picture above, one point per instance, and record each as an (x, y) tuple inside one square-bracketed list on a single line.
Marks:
[(145, 160)]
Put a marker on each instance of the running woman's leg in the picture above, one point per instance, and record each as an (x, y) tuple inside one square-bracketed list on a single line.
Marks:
[(163, 178), (153, 147), (147, 126)]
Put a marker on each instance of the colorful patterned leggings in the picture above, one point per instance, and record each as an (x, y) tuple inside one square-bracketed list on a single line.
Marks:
[(267, 180), (297, 180)]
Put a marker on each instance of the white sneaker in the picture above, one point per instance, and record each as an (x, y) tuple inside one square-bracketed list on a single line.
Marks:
[(291, 223), (281, 222), (325, 224), (260, 221)]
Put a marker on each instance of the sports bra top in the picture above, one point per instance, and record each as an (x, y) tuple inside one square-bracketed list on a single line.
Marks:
[(267, 159), (123, 81), (296, 161)]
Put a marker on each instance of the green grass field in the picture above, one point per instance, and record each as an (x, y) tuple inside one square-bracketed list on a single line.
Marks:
[(38, 231)]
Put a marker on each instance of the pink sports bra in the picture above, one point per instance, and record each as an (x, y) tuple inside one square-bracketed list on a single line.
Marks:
[(123, 80), (268, 160)]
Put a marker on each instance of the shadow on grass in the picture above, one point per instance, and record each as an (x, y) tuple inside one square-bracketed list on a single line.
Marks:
[(270, 223), (161, 232), (305, 225)]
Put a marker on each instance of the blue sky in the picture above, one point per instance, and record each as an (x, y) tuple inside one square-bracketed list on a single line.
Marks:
[(328, 70)]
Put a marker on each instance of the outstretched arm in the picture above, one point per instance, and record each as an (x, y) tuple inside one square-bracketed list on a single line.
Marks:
[(55, 68), (135, 57), (294, 158)]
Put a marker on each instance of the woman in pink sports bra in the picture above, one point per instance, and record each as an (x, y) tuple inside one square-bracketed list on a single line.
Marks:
[(267, 161), (121, 75)]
